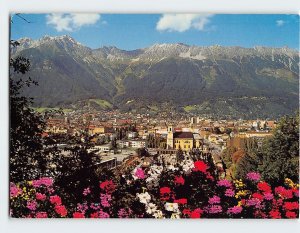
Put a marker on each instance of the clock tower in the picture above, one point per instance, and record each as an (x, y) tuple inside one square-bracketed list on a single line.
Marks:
[(170, 137)]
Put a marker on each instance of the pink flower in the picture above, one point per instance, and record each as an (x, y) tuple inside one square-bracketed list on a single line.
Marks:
[(139, 173), (229, 193), (14, 190), (40, 196), (100, 214), (214, 200), (86, 191), (42, 181), (31, 205), (268, 196), (95, 206), (41, 215), (82, 207), (224, 183), (214, 209), (105, 199), (253, 176), (235, 210), (254, 202), (123, 213)]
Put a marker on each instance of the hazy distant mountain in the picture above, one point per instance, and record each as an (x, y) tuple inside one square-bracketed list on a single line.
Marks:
[(218, 80)]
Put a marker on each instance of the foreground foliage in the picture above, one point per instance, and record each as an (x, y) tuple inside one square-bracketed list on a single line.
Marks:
[(189, 190)]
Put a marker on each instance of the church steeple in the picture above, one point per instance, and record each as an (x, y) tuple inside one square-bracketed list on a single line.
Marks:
[(170, 137)]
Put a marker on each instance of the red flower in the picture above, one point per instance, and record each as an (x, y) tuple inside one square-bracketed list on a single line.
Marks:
[(243, 201), (95, 215), (296, 192), (291, 205), (165, 190), (259, 214), (108, 186), (290, 214), (181, 201), (165, 193), (78, 215), (200, 166), (196, 213), (284, 193), (41, 215), (56, 200), (61, 210), (275, 214), (209, 176), (186, 212), (258, 196), (179, 180), (264, 187), (40, 196)]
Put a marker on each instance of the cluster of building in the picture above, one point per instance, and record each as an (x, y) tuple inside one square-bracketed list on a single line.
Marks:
[(116, 135)]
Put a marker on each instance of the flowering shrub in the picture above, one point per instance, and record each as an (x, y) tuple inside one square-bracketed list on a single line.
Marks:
[(186, 191)]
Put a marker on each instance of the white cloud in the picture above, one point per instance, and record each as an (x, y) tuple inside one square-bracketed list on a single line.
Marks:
[(280, 23), (183, 22), (71, 22)]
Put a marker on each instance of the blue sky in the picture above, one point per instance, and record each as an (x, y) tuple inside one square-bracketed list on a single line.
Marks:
[(132, 31)]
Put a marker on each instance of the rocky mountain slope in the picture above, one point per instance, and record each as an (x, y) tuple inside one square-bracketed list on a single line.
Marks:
[(224, 81)]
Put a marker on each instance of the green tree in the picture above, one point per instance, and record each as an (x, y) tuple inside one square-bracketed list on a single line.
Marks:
[(179, 155), (26, 126), (78, 168), (250, 161), (280, 154)]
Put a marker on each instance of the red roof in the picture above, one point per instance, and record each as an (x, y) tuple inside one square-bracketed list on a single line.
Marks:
[(183, 135)]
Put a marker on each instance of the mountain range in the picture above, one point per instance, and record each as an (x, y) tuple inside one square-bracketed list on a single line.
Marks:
[(213, 80)]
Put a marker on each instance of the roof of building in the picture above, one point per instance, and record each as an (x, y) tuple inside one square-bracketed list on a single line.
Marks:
[(183, 135)]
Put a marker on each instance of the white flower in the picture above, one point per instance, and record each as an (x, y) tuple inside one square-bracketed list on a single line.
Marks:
[(158, 214), (172, 168), (187, 165), (151, 208), (153, 175), (175, 216), (171, 207), (144, 197)]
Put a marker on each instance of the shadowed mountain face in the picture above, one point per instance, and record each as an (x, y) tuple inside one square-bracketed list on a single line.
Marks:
[(224, 81)]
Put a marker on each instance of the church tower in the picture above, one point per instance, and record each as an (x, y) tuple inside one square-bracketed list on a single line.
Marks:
[(170, 137)]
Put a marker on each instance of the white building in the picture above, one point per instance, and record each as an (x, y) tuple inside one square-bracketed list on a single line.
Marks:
[(138, 143), (101, 148), (132, 135), (123, 144)]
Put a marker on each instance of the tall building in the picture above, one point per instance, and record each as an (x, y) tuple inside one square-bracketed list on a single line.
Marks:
[(185, 141), (193, 120), (170, 137)]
